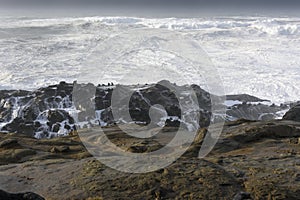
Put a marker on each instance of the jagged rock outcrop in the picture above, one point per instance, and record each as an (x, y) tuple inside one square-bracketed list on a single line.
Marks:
[(26, 111), (245, 106), (54, 110), (293, 114)]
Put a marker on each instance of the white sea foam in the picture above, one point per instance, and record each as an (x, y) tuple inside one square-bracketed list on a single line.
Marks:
[(255, 55)]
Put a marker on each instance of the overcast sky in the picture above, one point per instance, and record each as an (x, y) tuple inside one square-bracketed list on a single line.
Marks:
[(162, 2), (183, 7)]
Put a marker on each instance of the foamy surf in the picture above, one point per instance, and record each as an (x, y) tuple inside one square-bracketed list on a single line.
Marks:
[(254, 55)]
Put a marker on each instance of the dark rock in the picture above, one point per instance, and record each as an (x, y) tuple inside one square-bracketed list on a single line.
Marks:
[(83, 95), (294, 140), (20, 196), (9, 143), (26, 111), (56, 127), (37, 124), (172, 123), (66, 126), (144, 147), (242, 196), (55, 116), (19, 125), (293, 114), (252, 108), (253, 112), (30, 105), (244, 98), (256, 133)]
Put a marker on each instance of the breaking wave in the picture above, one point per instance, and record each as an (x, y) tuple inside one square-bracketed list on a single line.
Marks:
[(254, 55)]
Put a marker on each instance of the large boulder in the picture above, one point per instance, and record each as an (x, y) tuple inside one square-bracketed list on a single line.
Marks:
[(293, 114), (18, 125)]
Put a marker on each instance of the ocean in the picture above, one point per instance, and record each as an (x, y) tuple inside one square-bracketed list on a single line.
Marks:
[(259, 56)]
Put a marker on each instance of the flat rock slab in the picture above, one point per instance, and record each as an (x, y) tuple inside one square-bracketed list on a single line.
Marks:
[(252, 160), (80, 179)]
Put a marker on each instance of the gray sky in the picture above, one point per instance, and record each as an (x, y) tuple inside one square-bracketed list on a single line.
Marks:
[(166, 7), (184, 3)]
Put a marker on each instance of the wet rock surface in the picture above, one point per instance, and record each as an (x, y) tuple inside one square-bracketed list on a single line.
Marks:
[(249, 107), (251, 160), (54, 110), (32, 112), (293, 113)]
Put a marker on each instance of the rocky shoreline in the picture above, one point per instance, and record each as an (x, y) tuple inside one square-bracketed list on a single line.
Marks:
[(256, 157), (52, 111)]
